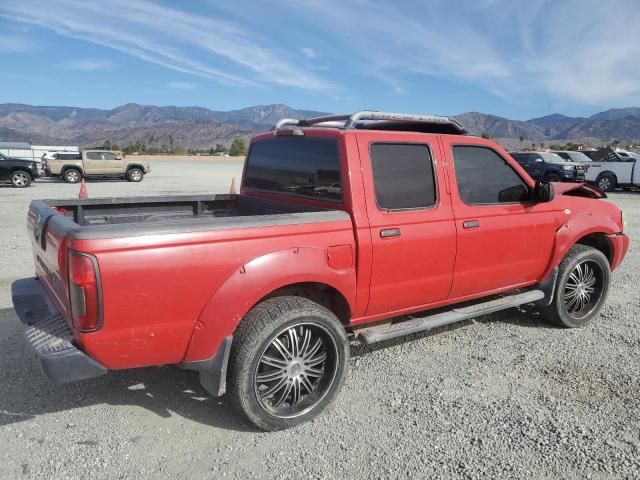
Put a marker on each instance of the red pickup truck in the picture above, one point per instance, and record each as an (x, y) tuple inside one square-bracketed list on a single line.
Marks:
[(369, 226)]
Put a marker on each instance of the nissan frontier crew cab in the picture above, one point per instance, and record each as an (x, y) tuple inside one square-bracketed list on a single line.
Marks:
[(72, 167), (418, 225)]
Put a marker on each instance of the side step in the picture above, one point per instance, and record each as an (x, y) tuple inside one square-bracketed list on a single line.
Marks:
[(456, 314)]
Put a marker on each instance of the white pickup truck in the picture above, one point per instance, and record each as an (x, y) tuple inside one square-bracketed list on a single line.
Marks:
[(609, 169)]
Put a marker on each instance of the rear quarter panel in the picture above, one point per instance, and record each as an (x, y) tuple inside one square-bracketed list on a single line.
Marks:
[(158, 290)]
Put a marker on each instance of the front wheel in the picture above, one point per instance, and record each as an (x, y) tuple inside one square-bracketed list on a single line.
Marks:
[(287, 363), (135, 175), (581, 288), (20, 179), (607, 182)]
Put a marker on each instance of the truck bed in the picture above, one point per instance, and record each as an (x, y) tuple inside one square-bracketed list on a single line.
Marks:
[(118, 216)]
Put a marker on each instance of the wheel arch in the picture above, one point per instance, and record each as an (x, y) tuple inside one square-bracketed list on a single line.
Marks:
[(135, 165), (584, 229), (607, 172), (301, 272), (64, 169)]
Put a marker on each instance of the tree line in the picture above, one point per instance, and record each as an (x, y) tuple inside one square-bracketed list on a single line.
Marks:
[(237, 148)]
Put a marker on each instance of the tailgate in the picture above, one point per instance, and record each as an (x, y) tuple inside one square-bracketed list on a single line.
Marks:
[(48, 230)]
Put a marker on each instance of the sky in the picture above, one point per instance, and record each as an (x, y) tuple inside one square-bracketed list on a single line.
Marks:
[(517, 59)]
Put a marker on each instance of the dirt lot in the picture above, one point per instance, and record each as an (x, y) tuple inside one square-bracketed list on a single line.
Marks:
[(505, 396)]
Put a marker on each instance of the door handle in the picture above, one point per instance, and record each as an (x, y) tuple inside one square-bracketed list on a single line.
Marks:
[(471, 224), (389, 232)]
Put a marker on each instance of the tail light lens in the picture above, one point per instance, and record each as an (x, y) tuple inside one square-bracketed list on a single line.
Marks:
[(84, 292)]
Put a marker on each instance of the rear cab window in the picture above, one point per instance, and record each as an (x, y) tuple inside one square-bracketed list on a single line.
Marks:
[(295, 165)]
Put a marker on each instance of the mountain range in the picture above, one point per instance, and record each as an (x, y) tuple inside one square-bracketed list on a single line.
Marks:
[(200, 128)]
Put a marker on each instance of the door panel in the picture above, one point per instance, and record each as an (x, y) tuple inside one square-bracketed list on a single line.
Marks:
[(504, 244), (413, 249), (111, 164), (93, 163)]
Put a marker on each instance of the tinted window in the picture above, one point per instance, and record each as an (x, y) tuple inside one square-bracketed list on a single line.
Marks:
[(564, 155), (402, 176), (94, 156), (296, 165), (108, 156), (525, 157), (67, 156), (484, 177)]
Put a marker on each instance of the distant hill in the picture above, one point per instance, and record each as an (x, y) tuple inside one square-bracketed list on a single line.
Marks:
[(201, 128)]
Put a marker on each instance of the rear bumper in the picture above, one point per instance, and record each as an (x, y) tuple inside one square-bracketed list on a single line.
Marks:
[(620, 244), (49, 337)]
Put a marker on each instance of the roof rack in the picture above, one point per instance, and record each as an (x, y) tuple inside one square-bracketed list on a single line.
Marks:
[(372, 120)]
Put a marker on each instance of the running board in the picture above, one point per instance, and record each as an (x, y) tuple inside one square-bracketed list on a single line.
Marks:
[(456, 314)]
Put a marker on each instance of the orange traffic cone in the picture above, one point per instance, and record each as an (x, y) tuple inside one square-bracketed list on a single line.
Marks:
[(233, 190), (83, 190)]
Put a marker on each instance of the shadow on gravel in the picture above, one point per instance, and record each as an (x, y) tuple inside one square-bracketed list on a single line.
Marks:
[(25, 393), (526, 317)]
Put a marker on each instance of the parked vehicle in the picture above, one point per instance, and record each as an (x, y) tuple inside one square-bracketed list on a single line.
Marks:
[(258, 291), (549, 167), (610, 169), (573, 156), (94, 163), (17, 171)]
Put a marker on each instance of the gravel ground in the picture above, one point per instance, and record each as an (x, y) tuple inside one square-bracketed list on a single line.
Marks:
[(504, 396)]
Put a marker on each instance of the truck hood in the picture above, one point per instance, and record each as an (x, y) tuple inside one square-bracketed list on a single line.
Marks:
[(578, 190)]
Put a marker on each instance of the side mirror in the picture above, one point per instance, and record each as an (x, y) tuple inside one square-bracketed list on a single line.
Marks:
[(543, 192), (118, 158)]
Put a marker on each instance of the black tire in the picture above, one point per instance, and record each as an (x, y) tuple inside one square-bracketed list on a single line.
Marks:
[(259, 338), (72, 175), (21, 179), (564, 309), (607, 182), (553, 177), (135, 175)]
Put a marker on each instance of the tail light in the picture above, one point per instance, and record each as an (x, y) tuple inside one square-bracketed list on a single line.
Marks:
[(84, 292)]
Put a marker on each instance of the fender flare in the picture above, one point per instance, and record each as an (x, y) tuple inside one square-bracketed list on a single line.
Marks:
[(573, 230), (255, 280), (606, 172), (71, 166)]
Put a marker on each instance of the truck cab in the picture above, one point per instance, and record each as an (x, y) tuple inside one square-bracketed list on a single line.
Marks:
[(73, 166)]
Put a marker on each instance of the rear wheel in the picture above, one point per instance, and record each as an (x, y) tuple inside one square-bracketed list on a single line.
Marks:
[(607, 182), (71, 175), (20, 179), (287, 363), (135, 175), (581, 289)]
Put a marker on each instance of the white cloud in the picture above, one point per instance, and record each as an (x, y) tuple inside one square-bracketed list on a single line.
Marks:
[(89, 65), (182, 85), (582, 51), (308, 52), (184, 42), (17, 45)]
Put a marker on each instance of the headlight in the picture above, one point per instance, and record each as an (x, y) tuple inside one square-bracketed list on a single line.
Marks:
[(567, 167)]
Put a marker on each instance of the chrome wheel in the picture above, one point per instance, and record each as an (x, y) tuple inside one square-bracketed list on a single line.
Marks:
[(20, 179), (135, 175), (583, 290), (72, 176), (604, 184), (296, 370)]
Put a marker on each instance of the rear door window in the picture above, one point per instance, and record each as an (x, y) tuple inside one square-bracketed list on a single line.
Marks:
[(300, 166), (403, 176), (94, 156)]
